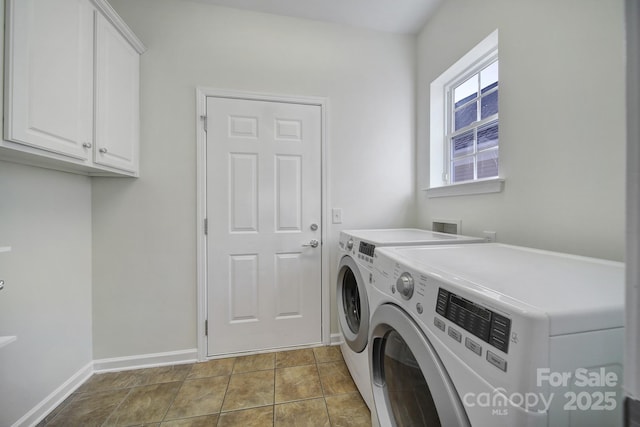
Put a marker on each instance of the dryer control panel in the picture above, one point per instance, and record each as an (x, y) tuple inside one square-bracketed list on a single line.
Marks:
[(485, 324)]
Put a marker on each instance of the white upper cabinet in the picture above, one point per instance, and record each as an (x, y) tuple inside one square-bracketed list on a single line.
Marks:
[(50, 75), (71, 87), (117, 101)]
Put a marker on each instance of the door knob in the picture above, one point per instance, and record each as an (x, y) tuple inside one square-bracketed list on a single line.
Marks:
[(313, 243), (103, 150)]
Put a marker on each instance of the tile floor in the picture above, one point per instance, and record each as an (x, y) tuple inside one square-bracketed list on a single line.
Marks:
[(309, 387)]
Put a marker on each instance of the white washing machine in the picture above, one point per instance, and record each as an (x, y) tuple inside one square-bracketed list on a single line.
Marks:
[(355, 257), (495, 335)]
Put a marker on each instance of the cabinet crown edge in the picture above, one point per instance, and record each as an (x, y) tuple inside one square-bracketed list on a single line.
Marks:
[(109, 12)]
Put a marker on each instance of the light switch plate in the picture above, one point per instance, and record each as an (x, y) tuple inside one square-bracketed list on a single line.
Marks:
[(336, 215)]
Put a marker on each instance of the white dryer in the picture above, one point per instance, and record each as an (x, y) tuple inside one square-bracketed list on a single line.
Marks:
[(356, 251), (496, 335)]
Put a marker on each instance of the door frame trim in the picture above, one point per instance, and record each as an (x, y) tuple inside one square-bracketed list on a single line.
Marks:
[(201, 206)]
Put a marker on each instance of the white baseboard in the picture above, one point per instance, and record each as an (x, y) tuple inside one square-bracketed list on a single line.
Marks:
[(146, 360), (49, 403), (336, 338)]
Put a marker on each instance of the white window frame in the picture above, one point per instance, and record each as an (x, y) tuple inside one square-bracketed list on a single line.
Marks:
[(439, 152)]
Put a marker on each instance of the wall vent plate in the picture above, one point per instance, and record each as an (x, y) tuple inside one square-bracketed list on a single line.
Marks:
[(450, 226)]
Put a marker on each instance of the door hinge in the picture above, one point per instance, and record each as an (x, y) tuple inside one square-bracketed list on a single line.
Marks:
[(204, 120), (206, 328), (206, 226)]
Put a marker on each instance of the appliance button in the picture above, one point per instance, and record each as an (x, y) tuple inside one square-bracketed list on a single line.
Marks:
[(453, 333), (497, 361), (473, 346), (499, 343), (419, 308), (439, 324)]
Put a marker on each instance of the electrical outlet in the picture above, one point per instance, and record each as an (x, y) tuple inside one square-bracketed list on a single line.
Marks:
[(490, 236), (336, 215)]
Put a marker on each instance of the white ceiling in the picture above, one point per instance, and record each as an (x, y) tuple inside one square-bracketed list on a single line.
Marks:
[(394, 16)]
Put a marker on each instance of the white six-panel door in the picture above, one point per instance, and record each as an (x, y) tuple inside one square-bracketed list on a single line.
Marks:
[(264, 212)]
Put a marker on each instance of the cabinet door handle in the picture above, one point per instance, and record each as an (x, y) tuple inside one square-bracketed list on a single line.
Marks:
[(103, 150), (87, 145)]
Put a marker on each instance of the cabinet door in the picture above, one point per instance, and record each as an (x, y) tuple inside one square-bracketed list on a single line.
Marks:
[(49, 75), (117, 98)]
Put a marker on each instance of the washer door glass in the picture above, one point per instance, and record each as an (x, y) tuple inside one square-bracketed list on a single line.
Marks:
[(407, 390), (353, 306), (351, 301), (411, 386)]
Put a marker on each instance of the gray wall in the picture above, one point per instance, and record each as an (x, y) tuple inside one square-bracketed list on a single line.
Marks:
[(632, 330), (45, 216), (144, 230), (562, 121)]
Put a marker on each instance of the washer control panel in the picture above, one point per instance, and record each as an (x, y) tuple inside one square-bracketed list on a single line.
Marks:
[(367, 249), (485, 324)]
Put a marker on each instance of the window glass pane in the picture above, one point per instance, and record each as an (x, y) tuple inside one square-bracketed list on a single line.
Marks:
[(462, 144), (466, 91), (462, 170), (488, 164), (488, 136), (489, 77), (407, 390), (489, 104), (466, 115)]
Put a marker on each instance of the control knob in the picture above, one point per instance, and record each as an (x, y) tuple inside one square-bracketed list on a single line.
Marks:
[(349, 244), (404, 284)]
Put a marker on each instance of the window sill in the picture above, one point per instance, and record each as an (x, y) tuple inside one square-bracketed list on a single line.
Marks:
[(467, 188)]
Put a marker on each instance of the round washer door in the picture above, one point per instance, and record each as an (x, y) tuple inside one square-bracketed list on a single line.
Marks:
[(353, 305), (410, 385)]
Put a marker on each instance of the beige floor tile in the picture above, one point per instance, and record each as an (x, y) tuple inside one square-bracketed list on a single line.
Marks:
[(256, 417), (146, 404), (165, 374), (212, 368), (201, 396), (51, 415), (287, 359), (255, 362), (303, 413), (226, 392), (112, 381), (297, 383), (89, 409), (335, 378), (249, 390), (348, 410), (206, 421), (327, 354)]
